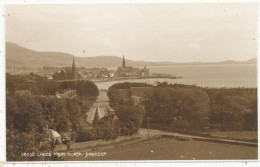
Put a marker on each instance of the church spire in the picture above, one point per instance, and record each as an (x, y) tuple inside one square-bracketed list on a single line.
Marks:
[(73, 69), (97, 116), (73, 64), (123, 63)]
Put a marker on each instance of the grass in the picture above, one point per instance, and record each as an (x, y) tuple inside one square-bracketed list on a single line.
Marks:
[(171, 149), (250, 136)]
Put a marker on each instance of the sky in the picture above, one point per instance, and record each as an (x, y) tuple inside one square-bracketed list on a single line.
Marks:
[(178, 32)]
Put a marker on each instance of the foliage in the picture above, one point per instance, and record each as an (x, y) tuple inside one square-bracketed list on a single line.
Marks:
[(86, 135), (180, 124), (27, 115), (130, 117), (73, 106), (109, 130), (86, 88), (12, 110), (113, 95), (172, 104), (129, 114), (38, 85), (233, 109), (19, 143), (189, 107)]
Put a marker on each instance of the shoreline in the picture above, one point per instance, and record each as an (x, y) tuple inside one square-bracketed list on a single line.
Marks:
[(136, 78)]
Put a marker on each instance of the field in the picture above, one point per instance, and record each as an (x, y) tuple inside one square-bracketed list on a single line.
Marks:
[(171, 149)]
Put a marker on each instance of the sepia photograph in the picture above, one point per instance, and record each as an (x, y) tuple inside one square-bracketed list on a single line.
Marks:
[(131, 81)]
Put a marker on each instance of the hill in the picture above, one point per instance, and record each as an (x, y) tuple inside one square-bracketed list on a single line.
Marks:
[(22, 57)]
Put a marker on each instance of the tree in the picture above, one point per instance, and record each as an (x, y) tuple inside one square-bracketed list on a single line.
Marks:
[(233, 109), (23, 146), (187, 104), (130, 118), (30, 115), (11, 111), (75, 115), (113, 94), (61, 120), (87, 88)]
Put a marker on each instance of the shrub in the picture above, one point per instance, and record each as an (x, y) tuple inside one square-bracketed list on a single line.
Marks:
[(86, 135), (180, 124)]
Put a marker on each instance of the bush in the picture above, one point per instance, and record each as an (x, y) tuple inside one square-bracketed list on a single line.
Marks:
[(125, 131), (181, 138), (87, 88), (20, 143), (169, 102), (180, 125), (86, 135)]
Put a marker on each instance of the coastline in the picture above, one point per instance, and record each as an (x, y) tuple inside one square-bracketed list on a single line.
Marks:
[(136, 78)]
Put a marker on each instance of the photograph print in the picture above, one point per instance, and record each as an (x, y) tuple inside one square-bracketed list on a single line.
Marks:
[(131, 81)]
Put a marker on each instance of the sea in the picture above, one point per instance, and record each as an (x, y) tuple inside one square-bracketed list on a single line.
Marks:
[(206, 75)]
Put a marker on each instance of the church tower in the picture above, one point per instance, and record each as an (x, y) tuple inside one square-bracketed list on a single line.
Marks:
[(123, 63), (73, 69)]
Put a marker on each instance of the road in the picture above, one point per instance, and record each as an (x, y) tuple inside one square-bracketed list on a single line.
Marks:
[(154, 132)]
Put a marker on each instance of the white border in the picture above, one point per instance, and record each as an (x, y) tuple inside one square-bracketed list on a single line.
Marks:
[(2, 86), (177, 163), (119, 1)]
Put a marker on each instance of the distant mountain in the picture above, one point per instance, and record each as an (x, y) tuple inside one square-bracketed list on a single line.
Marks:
[(20, 56), (251, 61), (23, 57)]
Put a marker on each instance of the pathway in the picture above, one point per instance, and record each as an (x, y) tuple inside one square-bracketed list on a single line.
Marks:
[(153, 132)]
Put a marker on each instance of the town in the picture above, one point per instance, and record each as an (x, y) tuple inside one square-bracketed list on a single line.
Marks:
[(95, 74), (99, 73)]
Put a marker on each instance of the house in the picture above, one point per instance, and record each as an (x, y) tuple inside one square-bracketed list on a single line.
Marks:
[(136, 94), (53, 135), (67, 94), (49, 77)]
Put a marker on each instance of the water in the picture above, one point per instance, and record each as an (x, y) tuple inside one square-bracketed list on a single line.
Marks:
[(217, 75)]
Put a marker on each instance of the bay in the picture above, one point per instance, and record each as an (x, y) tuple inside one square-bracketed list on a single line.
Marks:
[(207, 75)]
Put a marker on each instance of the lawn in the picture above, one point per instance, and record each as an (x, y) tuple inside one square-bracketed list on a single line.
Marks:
[(171, 149)]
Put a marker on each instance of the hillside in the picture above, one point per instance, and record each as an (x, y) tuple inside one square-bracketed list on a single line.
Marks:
[(22, 57)]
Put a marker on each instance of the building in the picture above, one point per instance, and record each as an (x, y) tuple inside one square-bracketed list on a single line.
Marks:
[(136, 94), (145, 72), (68, 73), (96, 73), (66, 94), (129, 71), (97, 118)]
